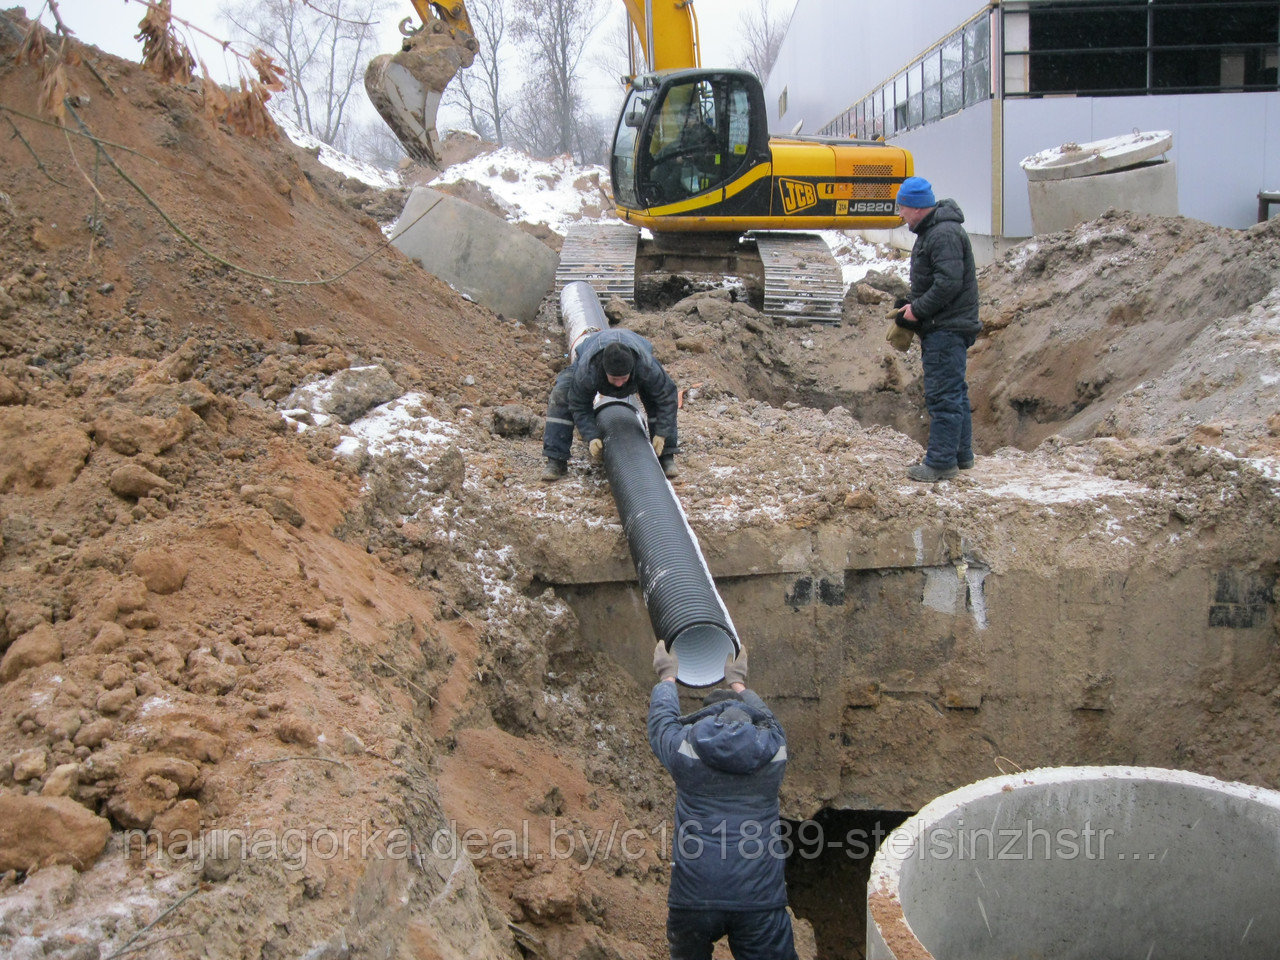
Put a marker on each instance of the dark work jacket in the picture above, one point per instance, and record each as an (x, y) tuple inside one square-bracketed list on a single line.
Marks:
[(727, 776), (944, 279), (656, 389)]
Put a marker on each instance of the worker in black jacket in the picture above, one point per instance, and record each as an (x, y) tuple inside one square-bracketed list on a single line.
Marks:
[(728, 870), (943, 312), (614, 363)]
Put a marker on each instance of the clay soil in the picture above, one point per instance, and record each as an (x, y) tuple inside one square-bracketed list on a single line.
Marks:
[(225, 633)]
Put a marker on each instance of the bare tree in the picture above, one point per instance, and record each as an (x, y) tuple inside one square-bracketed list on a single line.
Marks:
[(531, 125), (556, 34), (479, 90), (609, 48), (593, 137), (323, 46), (762, 35), (373, 142)]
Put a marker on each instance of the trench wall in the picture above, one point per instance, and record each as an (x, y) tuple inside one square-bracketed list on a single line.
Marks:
[(916, 659)]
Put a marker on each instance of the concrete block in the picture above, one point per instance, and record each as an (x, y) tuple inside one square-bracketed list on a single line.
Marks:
[(1061, 204), (486, 258)]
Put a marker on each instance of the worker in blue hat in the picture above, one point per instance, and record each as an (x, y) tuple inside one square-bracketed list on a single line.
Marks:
[(942, 311)]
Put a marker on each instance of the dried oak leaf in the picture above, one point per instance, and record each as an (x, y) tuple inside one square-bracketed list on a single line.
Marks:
[(216, 101), (270, 74), (53, 93), (162, 52), (247, 112), (33, 48)]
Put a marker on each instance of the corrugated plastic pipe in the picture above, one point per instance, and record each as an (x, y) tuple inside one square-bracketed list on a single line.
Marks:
[(685, 609), (580, 313)]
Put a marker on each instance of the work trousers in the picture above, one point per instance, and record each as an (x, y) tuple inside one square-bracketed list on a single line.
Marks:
[(753, 934), (946, 397), (557, 435)]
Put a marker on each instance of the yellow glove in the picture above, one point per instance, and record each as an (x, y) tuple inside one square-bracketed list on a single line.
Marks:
[(899, 337), (735, 668), (665, 663), (596, 447), (658, 444), (895, 313)]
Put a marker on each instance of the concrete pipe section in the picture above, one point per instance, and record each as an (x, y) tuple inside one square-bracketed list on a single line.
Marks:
[(684, 607), (1127, 863)]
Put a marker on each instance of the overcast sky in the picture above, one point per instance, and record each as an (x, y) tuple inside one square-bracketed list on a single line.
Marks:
[(111, 25)]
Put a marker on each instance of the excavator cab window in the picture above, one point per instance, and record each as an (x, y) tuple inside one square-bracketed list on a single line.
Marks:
[(697, 134), (686, 151), (624, 147)]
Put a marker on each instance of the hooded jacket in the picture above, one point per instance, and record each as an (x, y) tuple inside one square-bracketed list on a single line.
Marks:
[(726, 850), (944, 280), (656, 389)]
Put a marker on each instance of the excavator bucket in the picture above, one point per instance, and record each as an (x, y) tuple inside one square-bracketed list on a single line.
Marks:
[(406, 87)]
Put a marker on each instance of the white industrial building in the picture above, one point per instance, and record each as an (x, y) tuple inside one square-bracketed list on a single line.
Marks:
[(972, 88)]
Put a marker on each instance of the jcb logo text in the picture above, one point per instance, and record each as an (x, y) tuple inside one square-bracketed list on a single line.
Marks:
[(797, 195)]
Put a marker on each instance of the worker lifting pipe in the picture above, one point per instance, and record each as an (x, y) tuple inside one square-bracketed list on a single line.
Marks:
[(684, 607)]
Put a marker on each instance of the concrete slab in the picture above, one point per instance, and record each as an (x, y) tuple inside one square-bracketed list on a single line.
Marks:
[(1100, 156), (486, 258)]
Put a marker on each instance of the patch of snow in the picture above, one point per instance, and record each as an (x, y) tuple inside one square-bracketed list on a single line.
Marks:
[(856, 257), (399, 426), (554, 192), (155, 703), (1061, 488), (335, 159)]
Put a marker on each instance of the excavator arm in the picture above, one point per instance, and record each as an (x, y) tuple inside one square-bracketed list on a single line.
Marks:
[(406, 87), (453, 14), (668, 35)]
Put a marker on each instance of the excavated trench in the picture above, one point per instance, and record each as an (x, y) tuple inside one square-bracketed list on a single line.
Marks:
[(942, 640), (828, 865), (911, 656)]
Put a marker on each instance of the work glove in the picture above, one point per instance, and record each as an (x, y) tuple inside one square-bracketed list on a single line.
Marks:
[(665, 664), (900, 337), (735, 668), (658, 444), (596, 447)]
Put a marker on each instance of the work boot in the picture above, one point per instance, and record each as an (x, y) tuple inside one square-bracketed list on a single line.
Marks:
[(554, 470), (668, 463), (965, 464), (926, 474)]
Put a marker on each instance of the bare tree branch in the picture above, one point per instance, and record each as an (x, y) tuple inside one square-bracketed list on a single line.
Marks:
[(479, 90), (322, 45), (763, 32)]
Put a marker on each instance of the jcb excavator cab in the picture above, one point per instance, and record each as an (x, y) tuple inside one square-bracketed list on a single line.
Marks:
[(684, 133)]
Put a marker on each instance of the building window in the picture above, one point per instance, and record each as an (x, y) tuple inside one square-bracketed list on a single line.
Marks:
[(977, 60), (1137, 47), (951, 75)]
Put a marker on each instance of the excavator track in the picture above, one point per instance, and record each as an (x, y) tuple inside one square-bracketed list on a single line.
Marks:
[(802, 280), (602, 254)]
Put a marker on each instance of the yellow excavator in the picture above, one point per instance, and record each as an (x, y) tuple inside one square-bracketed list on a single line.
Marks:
[(692, 163)]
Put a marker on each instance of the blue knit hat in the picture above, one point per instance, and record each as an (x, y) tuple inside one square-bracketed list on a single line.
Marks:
[(916, 192)]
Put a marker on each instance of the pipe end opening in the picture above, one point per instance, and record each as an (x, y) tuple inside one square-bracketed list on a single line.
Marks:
[(701, 652)]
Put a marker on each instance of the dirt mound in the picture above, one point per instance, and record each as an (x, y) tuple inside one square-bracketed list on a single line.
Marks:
[(1131, 326)]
